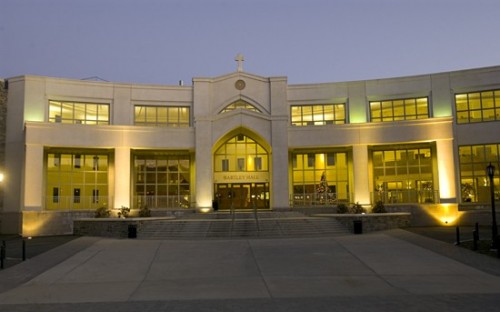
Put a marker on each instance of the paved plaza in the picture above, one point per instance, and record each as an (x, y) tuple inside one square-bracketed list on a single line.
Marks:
[(386, 271)]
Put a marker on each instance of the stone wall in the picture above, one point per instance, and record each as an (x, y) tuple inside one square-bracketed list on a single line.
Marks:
[(111, 227), (375, 221), (43, 223)]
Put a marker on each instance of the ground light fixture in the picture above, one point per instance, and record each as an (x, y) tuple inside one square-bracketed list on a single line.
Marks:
[(490, 172)]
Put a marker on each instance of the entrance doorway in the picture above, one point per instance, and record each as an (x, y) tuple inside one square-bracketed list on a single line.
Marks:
[(242, 195)]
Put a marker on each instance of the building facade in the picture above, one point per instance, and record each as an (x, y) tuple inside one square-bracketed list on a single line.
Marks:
[(242, 141)]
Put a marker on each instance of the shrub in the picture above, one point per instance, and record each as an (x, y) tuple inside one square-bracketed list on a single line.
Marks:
[(379, 207), (357, 208), (342, 208), (124, 212), (144, 212), (102, 212)]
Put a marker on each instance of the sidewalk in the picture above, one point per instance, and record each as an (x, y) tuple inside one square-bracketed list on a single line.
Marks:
[(386, 271)]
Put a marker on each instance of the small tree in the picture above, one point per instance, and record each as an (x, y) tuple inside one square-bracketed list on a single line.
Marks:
[(342, 208), (357, 208), (124, 212), (144, 212), (379, 207), (102, 212)]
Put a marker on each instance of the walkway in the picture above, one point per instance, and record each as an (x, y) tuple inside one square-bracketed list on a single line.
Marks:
[(386, 271)]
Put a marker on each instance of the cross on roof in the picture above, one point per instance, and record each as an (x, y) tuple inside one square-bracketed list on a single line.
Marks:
[(240, 59)]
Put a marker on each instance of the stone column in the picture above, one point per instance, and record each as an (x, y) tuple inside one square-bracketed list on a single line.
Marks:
[(33, 178), (361, 174), (122, 177), (203, 165), (446, 171)]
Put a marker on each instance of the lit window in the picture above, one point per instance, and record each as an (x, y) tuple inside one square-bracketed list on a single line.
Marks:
[(161, 180), (161, 116), (473, 159), (240, 104), (317, 115), (403, 175), (400, 109), (76, 180), (241, 153), (477, 106), (78, 113), (320, 178)]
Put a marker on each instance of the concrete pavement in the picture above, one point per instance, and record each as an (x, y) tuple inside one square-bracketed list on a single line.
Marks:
[(386, 271)]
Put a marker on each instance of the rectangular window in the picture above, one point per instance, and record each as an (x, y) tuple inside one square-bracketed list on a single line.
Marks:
[(474, 184), (403, 175), (225, 165), (320, 178), (258, 163), (241, 164), (310, 160), (78, 113), (161, 179), (76, 196), (76, 179), (400, 109), (317, 115), (162, 116), (55, 195), (477, 106), (95, 196), (330, 159), (78, 161)]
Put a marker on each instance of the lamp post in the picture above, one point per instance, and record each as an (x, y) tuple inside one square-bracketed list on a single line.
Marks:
[(490, 171)]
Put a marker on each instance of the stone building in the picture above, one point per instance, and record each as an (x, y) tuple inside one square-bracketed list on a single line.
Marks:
[(242, 141)]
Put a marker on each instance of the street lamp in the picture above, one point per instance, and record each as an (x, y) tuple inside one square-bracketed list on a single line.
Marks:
[(490, 171)]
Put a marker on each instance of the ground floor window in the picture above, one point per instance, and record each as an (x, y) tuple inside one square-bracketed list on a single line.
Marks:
[(76, 179), (403, 174), (232, 196), (320, 178), (474, 182), (161, 179)]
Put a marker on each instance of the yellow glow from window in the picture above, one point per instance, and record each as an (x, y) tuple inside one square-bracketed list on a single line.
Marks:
[(250, 164), (321, 160)]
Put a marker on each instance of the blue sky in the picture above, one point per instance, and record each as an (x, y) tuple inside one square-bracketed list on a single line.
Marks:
[(309, 41)]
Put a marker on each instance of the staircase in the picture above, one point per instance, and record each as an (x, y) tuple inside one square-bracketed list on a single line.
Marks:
[(242, 225)]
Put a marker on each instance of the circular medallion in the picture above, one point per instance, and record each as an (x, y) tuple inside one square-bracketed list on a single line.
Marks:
[(240, 84)]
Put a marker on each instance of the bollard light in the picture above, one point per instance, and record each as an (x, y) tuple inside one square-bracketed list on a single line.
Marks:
[(490, 172)]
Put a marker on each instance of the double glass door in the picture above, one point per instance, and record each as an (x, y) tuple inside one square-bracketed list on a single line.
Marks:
[(242, 196)]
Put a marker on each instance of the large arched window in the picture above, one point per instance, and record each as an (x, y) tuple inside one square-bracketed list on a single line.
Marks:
[(241, 153)]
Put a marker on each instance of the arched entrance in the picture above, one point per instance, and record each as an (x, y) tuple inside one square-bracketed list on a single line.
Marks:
[(241, 174)]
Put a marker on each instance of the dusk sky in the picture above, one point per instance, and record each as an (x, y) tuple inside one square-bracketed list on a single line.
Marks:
[(309, 41)]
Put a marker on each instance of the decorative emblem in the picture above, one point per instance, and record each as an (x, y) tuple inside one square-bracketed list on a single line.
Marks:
[(240, 84)]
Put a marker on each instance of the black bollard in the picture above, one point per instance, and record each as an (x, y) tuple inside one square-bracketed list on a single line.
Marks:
[(475, 237), (477, 229), (2, 255), (24, 249), (457, 233)]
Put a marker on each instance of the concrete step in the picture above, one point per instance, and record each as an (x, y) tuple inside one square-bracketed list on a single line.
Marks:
[(268, 225)]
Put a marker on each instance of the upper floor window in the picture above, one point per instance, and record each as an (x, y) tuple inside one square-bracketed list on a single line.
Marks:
[(318, 115), (401, 109), (161, 116), (478, 106), (240, 104), (79, 113)]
